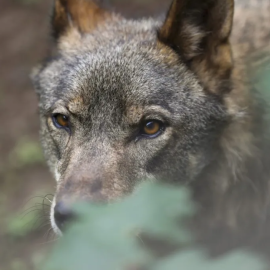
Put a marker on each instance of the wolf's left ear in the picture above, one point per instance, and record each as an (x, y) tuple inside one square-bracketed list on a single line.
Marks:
[(199, 31), (82, 15)]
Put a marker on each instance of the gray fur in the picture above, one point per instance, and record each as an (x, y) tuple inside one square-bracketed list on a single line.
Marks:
[(107, 81)]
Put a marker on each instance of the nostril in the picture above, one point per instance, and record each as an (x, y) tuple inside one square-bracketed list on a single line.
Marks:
[(62, 215)]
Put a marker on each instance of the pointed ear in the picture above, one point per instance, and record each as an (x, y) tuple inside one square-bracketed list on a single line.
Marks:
[(199, 31), (84, 15)]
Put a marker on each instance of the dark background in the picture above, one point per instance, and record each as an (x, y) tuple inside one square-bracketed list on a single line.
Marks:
[(25, 233)]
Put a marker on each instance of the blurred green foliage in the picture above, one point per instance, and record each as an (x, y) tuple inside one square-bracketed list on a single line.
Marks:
[(26, 153), (17, 264), (17, 225), (20, 225), (259, 69), (116, 236)]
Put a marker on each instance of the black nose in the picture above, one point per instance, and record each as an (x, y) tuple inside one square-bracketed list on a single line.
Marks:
[(62, 215)]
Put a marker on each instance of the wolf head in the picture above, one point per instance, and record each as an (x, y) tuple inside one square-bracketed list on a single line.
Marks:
[(124, 101)]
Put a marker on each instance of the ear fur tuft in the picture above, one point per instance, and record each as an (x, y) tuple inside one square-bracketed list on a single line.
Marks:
[(84, 15), (199, 31)]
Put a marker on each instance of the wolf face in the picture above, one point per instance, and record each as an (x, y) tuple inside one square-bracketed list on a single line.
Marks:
[(125, 101)]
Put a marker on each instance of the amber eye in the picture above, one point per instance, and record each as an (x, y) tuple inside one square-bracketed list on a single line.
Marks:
[(152, 128), (60, 120)]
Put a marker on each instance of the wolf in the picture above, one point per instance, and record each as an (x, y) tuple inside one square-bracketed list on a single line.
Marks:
[(168, 99)]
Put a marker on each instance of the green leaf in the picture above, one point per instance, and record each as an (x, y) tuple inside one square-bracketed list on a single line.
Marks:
[(26, 153), (107, 236), (196, 259), (20, 226)]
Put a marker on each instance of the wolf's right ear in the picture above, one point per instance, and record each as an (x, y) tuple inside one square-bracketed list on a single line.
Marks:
[(199, 31), (82, 15)]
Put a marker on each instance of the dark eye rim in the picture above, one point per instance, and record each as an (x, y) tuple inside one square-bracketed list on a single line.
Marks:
[(56, 124), (153, 136)]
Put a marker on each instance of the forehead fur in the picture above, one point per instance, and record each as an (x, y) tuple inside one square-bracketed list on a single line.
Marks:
[(121, 64), (111, 32), (119, 51)]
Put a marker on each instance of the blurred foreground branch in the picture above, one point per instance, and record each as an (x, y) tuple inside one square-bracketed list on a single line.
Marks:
[(121, 236)]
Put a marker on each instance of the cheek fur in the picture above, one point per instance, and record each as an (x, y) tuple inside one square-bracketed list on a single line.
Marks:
[(57, 175)]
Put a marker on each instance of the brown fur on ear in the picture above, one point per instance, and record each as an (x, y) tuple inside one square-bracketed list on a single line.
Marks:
[(85, 15), (199, 31)]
